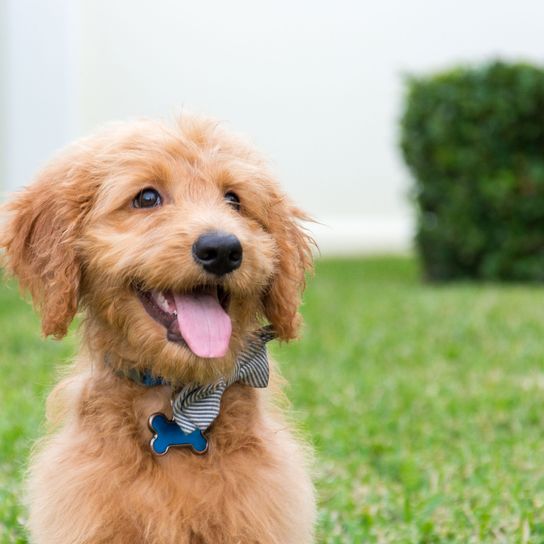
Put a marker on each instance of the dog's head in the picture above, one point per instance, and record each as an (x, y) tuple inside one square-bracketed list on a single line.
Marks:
[(175, 241)]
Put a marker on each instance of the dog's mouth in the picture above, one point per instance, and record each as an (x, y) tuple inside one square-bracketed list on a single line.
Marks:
[(197, 319)]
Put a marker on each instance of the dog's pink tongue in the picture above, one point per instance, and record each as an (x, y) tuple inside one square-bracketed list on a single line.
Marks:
[(204, 325)]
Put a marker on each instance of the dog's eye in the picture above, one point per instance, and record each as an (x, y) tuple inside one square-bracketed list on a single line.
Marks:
[(147, 198), (232, 199)]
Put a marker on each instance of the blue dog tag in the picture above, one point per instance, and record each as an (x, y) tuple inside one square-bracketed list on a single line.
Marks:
[(167, 434)]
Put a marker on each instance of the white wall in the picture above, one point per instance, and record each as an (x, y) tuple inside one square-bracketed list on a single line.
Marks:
[(39, 94), (317, 85)]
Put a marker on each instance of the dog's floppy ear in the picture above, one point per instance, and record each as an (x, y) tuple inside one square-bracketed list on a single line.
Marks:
[(38, 237), (294, 259)]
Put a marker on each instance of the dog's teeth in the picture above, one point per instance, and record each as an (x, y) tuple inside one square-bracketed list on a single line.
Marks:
[(161, 301)]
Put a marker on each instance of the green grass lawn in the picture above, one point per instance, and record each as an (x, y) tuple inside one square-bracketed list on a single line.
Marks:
[(424, 405)]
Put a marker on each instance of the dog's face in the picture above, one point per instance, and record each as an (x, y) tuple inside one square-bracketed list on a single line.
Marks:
[(174, 240)]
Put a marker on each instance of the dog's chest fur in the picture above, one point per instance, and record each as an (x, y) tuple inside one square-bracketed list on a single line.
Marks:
[(251, 487)]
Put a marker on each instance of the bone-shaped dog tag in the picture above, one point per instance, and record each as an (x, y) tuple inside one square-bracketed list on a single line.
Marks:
[(167, 434)]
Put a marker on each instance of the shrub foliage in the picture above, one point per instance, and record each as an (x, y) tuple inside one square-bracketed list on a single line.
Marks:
[(473, 138)]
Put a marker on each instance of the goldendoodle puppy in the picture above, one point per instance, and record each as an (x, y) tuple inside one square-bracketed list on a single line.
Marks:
[(177, 245)]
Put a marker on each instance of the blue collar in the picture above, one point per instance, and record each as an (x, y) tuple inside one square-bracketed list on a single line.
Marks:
[(145, 378)]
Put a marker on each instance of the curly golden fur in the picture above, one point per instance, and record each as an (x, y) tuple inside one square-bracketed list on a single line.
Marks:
[(76, 243)]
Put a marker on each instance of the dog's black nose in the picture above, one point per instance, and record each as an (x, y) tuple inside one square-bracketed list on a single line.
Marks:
[(218, 252)]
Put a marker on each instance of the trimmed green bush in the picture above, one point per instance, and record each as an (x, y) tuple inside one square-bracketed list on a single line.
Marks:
[(473, 138)]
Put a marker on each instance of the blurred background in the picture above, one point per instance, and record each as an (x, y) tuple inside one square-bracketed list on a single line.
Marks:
[(318, 86), (413, 131)]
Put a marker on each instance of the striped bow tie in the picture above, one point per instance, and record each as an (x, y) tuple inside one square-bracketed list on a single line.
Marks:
[(197, 406)]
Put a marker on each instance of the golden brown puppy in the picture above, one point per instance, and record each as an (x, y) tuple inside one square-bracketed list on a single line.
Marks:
[(176, 244)]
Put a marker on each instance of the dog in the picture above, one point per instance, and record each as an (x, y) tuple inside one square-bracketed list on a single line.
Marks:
[(177, 247)]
